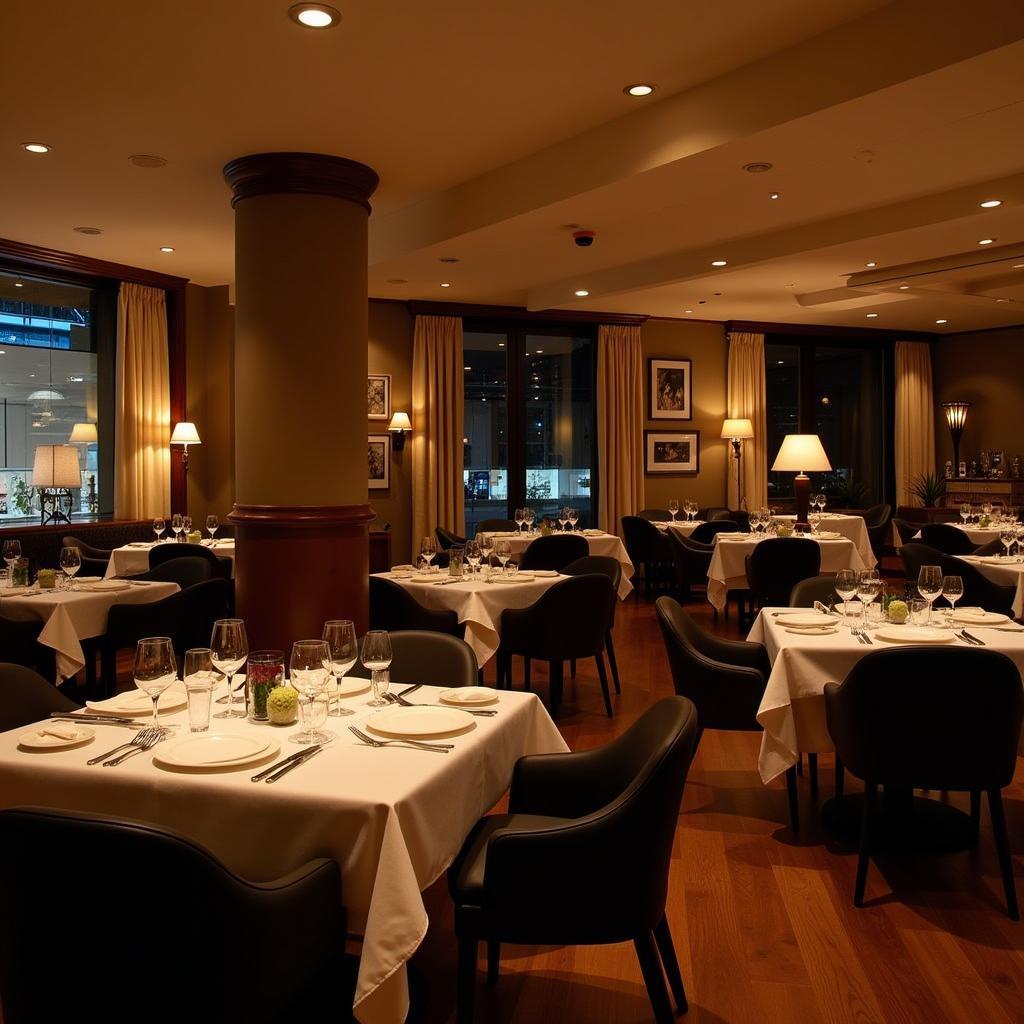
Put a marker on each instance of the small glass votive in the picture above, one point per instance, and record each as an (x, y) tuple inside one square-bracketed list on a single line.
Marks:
[(918, 611), (456, 556), (200, 699), (512, 568), (313, 712), (264, 672)]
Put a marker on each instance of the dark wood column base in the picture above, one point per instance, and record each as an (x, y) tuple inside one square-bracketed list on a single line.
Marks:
[(298, 566)]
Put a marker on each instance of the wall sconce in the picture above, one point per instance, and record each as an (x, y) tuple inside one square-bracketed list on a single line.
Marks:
[(956, 418), (55, 473), (185, 434), (398, 428), (737, 431)]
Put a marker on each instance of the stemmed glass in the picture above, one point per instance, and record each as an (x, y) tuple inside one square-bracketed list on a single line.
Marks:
[(846, 587), (377, 658), (503, 552), (176, 525), (186, 525), (520, 517), (1008, 535), (159, 526), (822, 502), (814, 521), (12, 552), (563, 518), (212, 526), (340, 637), (529, 516), (986, 508), (309, 671), (486, 547), (229, 648), (70, 562), (929, 586), (574, 518), (473, 555), (428, 549), (673, 508), (965, 512), (952, 591), (869, 586), (155, 669)]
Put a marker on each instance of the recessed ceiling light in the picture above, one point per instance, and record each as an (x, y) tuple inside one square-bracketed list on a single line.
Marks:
[(89, 231), (35, 147), (719, 263), (467, 368), (1018, 266), (985, 241), (757, 167), (501, 344), (581, 293), (639, 89), (18, 284), (149, 161), (687, 310), (942, 321), (991, 204), (314, 15), (397, 280), (904, 287), (871, 316), (774, 195), (167, 248), (446, 284), (782, 362), (871, 263), (1002, 300)]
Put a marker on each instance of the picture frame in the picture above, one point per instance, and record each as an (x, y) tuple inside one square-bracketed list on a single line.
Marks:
[(378, 396), (670, 389), (378, 462), (671, 454)]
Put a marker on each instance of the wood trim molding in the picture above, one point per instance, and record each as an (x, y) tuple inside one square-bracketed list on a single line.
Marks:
[(313, 517), (420, 307), (176, 360), (262, 174), (829, 331)]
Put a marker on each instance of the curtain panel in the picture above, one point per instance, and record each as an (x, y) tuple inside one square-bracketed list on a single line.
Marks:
[(438, 492), (747, 399), (620, 425), (142, 456), (915, 417)]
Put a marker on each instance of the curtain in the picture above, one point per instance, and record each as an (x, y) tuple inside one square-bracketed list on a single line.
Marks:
[(915, 416), (438, 492), (747, 399), (620, 425), (142, 457)]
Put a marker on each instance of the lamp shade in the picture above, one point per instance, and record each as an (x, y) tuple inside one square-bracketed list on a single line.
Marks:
[(400, 421), (737, 428), (56, 465), (185, 433), (801, 453), (83, 433)]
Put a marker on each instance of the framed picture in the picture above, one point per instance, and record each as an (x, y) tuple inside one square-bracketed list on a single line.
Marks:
[(378, 461), (672, 454), (671, 389), (378, 396)]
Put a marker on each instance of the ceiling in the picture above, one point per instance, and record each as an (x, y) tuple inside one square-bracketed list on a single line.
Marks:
[(493, 127)]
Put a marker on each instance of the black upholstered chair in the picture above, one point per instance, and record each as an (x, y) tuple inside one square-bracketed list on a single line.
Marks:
[(979, 591), (392, 607), (447, 539), (916, 554), (431, 658), (19, 643), (948, 539), (655, 515), (555, 551), (186, 572), (692, 562), (706, 532), (582, 857), (610, 567), (569, 621), (94, 560), (815, 588), (738, 515), (711, 513), (495, 526), (993, 547), (905, 529), (648, 550), (877, 519), (163, 553), (777, 565), (901, 719), (26, 697), (213, 908)]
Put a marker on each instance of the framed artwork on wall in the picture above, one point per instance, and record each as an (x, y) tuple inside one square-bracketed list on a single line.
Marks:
[(672, 454), (378, 396), (671, 389), (378, 461)]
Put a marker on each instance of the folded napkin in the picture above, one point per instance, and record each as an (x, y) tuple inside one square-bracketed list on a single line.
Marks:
[(812, 630), (62, 730)]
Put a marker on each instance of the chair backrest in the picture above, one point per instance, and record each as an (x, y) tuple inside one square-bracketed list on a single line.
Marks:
[(495, 526), (555, 551), (163, 553), (778, 564), (915, 555), (204, 604), (639, 536), (447, 539), (905, 717), (877, 515), (186, 572), (708, 514), (691, 560), (434, 659), (187, 617), (87, 550), (993, 547), (979, 591), (905, 529), (948, 539), (816, 588), (392, 607), (655, 515), (706, 532), (26, 697), (603, 565)]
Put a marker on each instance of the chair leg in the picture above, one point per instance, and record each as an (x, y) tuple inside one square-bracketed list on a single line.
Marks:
[(466, 981), (526, 675), (603, 674), (794, 802), (864, 857), (663, 937), (995, 810), (800, 764), (480, 675), (812, 770), (976, 809), (555, 675), (610, 647), (840, 778), (493, 960), (572, 668), (654, 979)]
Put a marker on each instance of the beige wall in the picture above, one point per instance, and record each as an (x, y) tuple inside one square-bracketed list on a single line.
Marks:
[(705, 345), (985, 369)]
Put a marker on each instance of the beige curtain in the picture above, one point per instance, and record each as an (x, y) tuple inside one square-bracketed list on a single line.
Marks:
[(747, 399), (438, 494), (620, 425), (915, 416), (142, 458)]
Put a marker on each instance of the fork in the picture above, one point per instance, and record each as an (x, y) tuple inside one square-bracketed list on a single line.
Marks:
[(135, 741), (397, 698), (440, 748), (140, 743)]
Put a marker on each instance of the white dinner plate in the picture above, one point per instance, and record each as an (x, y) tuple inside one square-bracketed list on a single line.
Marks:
[(350, 686), (812, 630), (517, 578), (140, 544), (135, 702), (915, 635), (978, 617), (216, 750), (592, 533), (106, 587), (35, 740), (419, 722), (88, 579), (1000, 560), (470, 696), (827, 535), (807, 620), (402, 575), (543, 574)]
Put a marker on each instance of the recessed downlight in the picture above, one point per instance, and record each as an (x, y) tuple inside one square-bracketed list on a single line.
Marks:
[(687, 310), (446, 284), (757, 167), (871, 263), (18, 284), (639, 89), (985, 241), (167, 248), (314, 15), (871, 316), (89, 231), (774, 195), (990, 204), (36, 147), (581, 293), (904, 287), (719, 263), (942, 321), (149, 161)]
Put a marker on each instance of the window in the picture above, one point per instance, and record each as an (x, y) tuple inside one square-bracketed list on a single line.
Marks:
[(529, 430), (56, 371)]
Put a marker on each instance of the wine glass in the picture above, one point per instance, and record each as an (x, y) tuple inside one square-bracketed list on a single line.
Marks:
[(929, 585), (986, 508), (176, 524), (529, 517), (574, 517), (428, 549), (673, 508), (563, 518), (186, 525), (229, 648), (473, 555), (952, 591), (377, 658), (869, 585), (503, 552), (12, 552), (846, 587), (814, 521), (309, 671), (1008, 536), (965, 512), (159, 526), (520, 517), (212, 526), (155, 669), (340, 637), (486, 547), (70, 562)]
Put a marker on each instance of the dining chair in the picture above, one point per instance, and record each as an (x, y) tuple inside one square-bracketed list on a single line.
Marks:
[(739, 516), (19, 643), (905, 529), (816, 588), (979, 590), (993, 547), (496, 526), (392, 607), (950, 540), (570, 620), (692, 562), (902, 720), (648, 550), (205, 907), (582, 857), (186, 572), (777, 565), (28, 697), (655, 515), (612, 568), (555, 551), (447, 539), (706, 532), (877, 519), (428, 657), (914, 555), (163, 553), (94, 560), (708, 514)]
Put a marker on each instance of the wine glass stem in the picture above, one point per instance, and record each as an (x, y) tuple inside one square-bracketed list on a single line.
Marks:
[(231, 690), (156, 701)]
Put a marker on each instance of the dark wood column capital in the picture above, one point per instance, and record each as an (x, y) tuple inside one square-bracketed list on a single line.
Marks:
[(262, 174)]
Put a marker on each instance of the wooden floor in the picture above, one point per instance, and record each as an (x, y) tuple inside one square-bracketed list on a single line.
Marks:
[(763, 921)]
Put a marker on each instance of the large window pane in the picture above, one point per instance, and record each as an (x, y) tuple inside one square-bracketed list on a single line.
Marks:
[(485, 426), (782, 386)]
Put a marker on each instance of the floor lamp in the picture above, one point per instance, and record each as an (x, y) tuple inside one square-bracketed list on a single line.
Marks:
[(956, 418), (736, 432), (798, 454)]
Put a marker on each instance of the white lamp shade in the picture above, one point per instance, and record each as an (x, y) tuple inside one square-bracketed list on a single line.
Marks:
[(185, 433), (400, 421), (737, 428), (83, 433), (801, 453), (56, 465)]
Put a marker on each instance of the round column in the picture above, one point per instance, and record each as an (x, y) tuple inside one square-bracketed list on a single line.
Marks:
[(301, 511)]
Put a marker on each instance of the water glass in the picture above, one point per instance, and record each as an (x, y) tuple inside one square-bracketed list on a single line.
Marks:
[(520, 517), (503, 552), (473, 555), (428, 549), (486, 548), (155, 669), (377, 658), (952, 591), (159, 526), (199, 675), (340, 637), (846, 587), (918, 611), (176, 524)]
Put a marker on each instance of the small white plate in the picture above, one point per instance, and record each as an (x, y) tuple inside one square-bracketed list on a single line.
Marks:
[(350, 686), (135, 702), (106, 587), (35, 740), (827, 535), (419, 722), (915, 635), (977, 617), (470, 696), (88, 579), (213, 750), (812, 630), (517, 578), (807, 620), (544, 574)]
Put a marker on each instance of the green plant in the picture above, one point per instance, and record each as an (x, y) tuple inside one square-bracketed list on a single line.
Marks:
[(850, 493), (537, 487), (928, 488), (21, 496)]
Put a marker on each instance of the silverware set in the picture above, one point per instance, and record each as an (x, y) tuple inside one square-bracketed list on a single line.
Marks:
[(141, 741), (283, 767), (398, 698), (66, 716), (970, 638), (861, 635), (439, 748)]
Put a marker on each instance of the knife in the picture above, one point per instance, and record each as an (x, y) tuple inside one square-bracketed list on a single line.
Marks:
[(308, 756), (297, 756), (66, 716), (408, 690)]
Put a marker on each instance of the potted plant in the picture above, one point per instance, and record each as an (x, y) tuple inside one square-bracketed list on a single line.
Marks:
[(928, 488)]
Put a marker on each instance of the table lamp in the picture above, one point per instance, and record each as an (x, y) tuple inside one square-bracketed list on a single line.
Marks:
[(799, 454), (55, 473), (85, 435), (737, 431)]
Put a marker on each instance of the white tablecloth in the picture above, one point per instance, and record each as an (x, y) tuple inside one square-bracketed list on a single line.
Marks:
[(600, 544), (683, 526), (1005, 572), (852, 527), (478, 604), (728, 562), (792, 711), (134, 558), (74, 615), (977, 534), (392, 818)]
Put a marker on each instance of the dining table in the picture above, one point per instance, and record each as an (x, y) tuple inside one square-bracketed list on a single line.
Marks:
[(132, 559), (975, 533), (392, 817), (76, 613), (682, 526), (853, 527), (1006, 571)]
